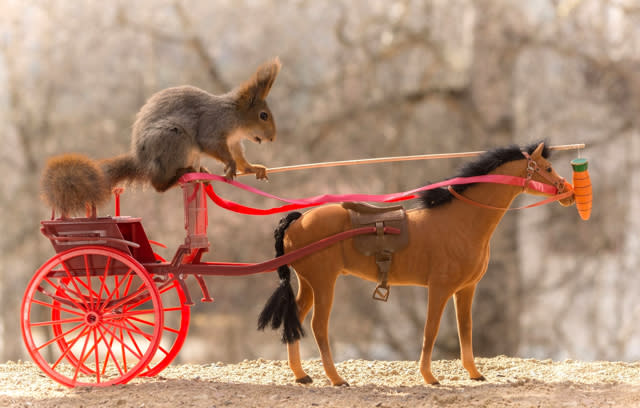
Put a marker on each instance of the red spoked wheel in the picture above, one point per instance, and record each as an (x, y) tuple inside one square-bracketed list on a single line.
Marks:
[(92, 316)]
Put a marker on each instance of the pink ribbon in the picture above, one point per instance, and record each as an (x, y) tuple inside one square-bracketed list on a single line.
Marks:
[(333, 198)]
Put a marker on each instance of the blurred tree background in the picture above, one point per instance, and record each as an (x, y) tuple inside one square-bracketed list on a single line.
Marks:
[(360, 79)]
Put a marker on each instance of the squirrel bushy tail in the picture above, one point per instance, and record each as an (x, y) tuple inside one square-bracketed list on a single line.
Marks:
[(71, 182), (121, 168), (281, 306)]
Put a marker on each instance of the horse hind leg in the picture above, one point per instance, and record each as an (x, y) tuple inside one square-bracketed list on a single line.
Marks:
[(463, 300), (304, 300)]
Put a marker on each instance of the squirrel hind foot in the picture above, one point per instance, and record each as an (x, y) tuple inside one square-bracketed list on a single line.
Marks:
[(161, 185)]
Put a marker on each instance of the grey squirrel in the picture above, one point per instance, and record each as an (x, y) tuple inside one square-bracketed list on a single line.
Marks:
[(170, 132)]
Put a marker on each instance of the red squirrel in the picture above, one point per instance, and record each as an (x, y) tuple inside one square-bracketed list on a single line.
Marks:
[(170, 132)]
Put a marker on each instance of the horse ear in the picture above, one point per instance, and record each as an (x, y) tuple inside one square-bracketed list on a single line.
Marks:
[(538, 152)]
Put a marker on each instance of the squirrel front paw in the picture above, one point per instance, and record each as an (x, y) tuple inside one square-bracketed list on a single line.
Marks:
[(230, 171), (261, 171)]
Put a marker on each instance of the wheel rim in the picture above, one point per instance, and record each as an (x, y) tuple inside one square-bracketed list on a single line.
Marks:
[(175, 327), (92, 316)]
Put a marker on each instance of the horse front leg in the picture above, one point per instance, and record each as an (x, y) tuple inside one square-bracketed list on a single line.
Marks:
[(322, 303), (463, 300), (437, 301), (303, 301)]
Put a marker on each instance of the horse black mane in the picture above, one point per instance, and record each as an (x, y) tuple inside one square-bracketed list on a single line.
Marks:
[(484, 164)]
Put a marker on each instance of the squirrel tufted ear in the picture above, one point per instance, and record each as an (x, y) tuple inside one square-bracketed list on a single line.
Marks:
[(258, 86)]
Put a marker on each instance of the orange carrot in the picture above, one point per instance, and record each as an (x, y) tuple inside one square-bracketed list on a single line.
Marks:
[(582, 187)]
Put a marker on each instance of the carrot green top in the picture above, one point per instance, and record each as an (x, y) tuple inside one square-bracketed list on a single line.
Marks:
[(580, 164)]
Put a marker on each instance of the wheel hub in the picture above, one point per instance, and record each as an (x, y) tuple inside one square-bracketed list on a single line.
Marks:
[(92, 318)]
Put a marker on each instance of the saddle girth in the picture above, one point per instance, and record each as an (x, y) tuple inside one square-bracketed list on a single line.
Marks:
[(380, 245)]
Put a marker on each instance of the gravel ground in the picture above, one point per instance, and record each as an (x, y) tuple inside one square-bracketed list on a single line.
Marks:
[(511, 382)]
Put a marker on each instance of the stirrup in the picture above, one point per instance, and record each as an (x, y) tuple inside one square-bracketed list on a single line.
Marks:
[(381, 293)]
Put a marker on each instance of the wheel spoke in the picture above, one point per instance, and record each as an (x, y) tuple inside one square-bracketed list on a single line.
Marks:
[(88, 287), (73, 281), (123, 351), (140, 293), (135, 319), (68, 349), (134, 329), (127, 314), (110, 352), (96, 355), (63, 295), (139, 356), (133, 340), (103, 280), (169, 329), (129, 282), (163, 350), (140, 297), (57, 307), (81, 359), (114, 291), (56, 322), (167, 287), (62, 335), (88, 272)]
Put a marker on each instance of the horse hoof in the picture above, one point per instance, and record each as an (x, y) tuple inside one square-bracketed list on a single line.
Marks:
[(304, 380), (481, 378), (341, 384)]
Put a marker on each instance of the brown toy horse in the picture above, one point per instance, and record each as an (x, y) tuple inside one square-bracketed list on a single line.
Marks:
[(448, 252)]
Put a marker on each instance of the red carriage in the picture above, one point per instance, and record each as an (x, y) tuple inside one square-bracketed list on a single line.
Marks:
[(106, 308)]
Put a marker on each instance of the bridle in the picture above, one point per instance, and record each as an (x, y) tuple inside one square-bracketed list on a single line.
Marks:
[(533, 168)]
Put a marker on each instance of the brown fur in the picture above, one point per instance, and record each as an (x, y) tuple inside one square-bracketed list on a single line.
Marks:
[(177, 124), (72, 182), (448, 252)]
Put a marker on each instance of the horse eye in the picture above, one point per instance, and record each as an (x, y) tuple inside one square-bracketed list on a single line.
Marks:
[(264, 115), (549, 169)]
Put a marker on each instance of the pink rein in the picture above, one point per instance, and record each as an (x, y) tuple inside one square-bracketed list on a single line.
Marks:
[(335, 198)]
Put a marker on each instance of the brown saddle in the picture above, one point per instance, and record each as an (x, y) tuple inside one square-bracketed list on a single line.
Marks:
[(380, 245)]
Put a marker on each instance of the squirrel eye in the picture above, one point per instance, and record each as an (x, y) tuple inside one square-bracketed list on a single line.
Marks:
[(264, 115)]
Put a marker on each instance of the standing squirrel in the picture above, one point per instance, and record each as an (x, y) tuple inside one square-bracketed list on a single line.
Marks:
[(170, 132)]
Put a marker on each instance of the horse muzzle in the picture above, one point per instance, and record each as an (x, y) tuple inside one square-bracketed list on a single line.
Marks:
[(570, 199)]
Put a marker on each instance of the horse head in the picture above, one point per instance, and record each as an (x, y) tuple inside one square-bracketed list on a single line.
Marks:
[(539, 169)]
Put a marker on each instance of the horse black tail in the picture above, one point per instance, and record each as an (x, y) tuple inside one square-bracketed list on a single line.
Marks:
[(281, 306)]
